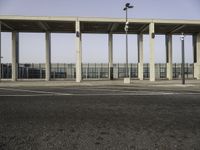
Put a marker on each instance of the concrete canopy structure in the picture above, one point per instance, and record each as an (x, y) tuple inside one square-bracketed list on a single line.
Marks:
[(79, 25), (96, 25)]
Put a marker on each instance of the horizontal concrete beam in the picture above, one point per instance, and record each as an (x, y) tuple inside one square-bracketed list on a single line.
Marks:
[(95, 25), (38, 18), (176, 28), (7, 26), (96, 19)]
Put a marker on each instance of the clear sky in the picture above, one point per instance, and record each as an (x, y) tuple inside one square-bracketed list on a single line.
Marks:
[(95, 46)]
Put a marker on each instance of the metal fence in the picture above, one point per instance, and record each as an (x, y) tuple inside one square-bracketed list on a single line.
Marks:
[(189, 70), (95, 71), (92, 71), (67, 71), (31, 71), (6, 71)]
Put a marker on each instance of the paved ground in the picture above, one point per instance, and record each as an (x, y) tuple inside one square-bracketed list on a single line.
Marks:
[(140, 116)]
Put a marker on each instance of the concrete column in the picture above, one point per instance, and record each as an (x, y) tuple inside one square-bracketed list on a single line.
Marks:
[(196, 46), (0, 51), (78, 53), (168, 39), (110, 55), (48, 56), (194, 40), (15, 55), (140, 56), (152, 51)]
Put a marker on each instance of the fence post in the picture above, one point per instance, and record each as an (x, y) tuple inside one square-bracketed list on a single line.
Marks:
[(175, 70), (118, 71), (27, 71)]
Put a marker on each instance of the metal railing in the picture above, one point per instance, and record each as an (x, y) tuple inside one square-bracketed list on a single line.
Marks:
[(92, 71)]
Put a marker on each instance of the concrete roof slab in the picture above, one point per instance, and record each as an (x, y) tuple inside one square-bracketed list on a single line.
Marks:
[(96, 25)]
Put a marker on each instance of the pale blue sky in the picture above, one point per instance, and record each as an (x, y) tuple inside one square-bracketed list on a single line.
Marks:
[(95, 46)]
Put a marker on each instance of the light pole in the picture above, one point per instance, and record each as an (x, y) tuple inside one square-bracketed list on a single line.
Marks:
[(1, 68), (127, 6), (183, 59)]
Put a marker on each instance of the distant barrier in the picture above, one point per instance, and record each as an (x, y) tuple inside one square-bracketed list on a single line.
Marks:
[(92, 71)]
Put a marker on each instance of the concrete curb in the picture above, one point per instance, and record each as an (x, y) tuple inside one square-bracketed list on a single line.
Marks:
[(144, 83)]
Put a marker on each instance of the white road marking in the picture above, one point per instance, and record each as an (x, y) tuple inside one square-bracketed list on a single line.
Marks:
[(34, 91), (133, 94), (99, 89), (119, 94), (18, 95), (109, 92), (30, 95)]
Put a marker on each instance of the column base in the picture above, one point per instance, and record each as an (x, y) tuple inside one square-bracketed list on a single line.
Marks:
[(169, 71), (111, 73), (127, 80), (78, 80), (14, 80), (140, 71), (153, 79), (197, 71)]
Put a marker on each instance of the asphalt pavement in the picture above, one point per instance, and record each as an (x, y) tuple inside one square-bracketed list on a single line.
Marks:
[(100, 117)]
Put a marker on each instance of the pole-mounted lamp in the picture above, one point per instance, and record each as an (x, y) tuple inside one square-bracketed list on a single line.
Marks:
[(127, 6), (183, 59)]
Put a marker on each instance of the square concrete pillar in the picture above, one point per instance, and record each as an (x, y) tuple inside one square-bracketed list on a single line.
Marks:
[(157, 72), (48, 56), (0, 51), (78, 53), (110, 55), (196, 46), (140, 56), (15, 55), (168, 39), (152, 51), (194, 40)]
